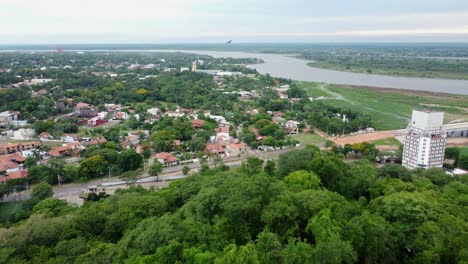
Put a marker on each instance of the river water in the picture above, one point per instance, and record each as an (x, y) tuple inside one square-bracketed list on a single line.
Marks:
[(292, 68), (297, 69)]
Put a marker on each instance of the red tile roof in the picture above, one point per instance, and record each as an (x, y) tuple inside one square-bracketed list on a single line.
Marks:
[(14, 175), (197, 122)]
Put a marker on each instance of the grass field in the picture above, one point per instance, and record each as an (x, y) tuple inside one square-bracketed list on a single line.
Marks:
[(387, 142), (313, 89), (310, 139), (464, 151), (391, 108)]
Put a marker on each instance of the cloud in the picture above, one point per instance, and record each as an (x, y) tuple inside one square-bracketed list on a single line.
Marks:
[(207, 20)]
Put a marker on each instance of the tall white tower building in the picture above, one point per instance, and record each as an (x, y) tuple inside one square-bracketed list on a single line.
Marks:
[(424, 141)]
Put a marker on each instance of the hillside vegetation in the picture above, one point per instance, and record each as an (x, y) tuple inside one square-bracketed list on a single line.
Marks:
[(310, 207)]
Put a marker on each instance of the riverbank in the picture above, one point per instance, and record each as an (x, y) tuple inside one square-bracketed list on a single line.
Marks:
[(389, 108)]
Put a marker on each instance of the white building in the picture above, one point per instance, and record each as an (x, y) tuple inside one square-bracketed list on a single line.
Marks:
[(425, 141)]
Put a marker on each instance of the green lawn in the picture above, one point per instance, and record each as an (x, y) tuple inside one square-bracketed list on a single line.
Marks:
[(464, 151), (387, 142), (313, 89), (391, 109), (310, 139)]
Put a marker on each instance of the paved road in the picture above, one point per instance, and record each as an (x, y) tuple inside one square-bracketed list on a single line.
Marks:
[(71, 191)]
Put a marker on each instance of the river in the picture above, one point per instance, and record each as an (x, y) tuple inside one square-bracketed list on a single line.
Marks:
[(297, 69), (293, 68)]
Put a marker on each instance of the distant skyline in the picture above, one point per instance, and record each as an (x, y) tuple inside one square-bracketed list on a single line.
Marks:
[(243, 21)]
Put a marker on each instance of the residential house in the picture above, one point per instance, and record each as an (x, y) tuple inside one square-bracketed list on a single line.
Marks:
[(167, 159), (222, 134), (94, 142), (85, 110), (10, 118), (11, 163), (102, 115), (236, 148), (14, 175), (197, 123), (120, 115), (145, 134), (69, 138), (45, 136), (69, 149), (18, 147), (154, 111), (291, 127), (215, 148)]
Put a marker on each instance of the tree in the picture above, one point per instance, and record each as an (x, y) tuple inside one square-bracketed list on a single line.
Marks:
[(297, 251), (252, 166), (93, 167), (156, 169), (129, 160), (268, 247), (270, 167), (235, 255), (41, 191), (185, 170), (302, 180)]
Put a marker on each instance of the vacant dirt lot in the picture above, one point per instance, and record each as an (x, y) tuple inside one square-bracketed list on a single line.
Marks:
[(369, 137)]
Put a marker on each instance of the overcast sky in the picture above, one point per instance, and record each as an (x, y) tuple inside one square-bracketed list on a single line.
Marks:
[(212, 21)]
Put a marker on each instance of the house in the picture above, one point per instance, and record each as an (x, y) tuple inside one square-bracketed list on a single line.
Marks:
[(39, 81), (85, 110), (177, 143), (10, 118), (197, 123), (222, 134), (167, 159), (92, 121), (134, 140), (140, 133), (69, 149), (291, 127), (12, 148), (94, 142), (215, 148), (103, 114), (153, 111), (113, 107), (236, 148), (11, 163), (45, 136), (121, 115), (69, 138), (14, 175)]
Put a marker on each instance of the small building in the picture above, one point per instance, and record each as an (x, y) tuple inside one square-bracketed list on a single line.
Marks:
[(153, 111), (167, 159), (197, 123), (215, 148), (14, 175), (85, 110), (69, 138), (121, 115), (18, 147), (45, 136)]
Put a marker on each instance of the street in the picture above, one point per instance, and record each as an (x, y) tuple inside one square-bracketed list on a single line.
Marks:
[(70, 192)]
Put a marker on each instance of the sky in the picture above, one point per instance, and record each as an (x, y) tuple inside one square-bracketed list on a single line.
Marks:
[(243, 21)]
